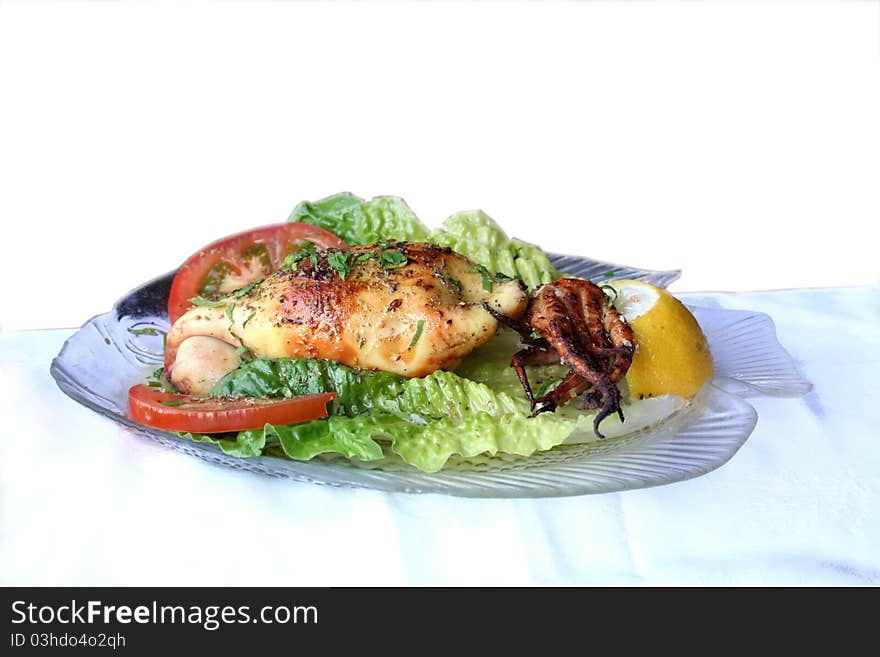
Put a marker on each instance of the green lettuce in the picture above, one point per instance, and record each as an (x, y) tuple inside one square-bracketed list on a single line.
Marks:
[(429, 446), (425, 420), (356, 221), (357, 390), (490, 365), (473, 234), (477, 236), (353, 437), (244, 444)]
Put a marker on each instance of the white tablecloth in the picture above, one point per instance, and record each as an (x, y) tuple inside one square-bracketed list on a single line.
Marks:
[(83, 502)]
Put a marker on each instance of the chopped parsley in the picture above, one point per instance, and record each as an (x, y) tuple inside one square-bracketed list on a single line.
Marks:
[(392, 259), (608, 274), (485, 275), (247, 288), (546, 387), (157, 380), (242, 351), (420, 325), (249, 318), (145, 331), (535, 335), (207, 303), (292, 261), (339, 261), (173, 402), (454, 282), (363, 257)]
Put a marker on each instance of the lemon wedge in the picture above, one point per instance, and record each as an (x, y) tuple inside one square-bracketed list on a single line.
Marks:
[(672, 355)]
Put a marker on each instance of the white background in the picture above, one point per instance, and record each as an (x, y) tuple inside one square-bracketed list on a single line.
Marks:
[(738, 142)]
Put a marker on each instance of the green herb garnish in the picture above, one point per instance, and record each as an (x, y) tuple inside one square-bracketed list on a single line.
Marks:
[(173, 402), (419, 326), (339, 261), (229, 308), (306, 245), (485, 275), (392, 259), (292, 261), (608, 274), (159, 381), (247, 288), (250, 317), (535, 335), (546, 387), (207, 303), (242, 350), (145, 331), (363, 257), (454, 282)]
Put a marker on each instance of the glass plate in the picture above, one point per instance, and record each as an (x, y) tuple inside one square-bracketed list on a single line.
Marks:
[(99, 363)]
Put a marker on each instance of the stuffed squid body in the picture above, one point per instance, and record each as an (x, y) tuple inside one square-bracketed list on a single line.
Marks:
[(404, 307)]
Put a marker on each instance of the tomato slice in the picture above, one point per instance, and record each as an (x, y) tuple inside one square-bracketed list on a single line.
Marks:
[(174, 412), (229, 264)]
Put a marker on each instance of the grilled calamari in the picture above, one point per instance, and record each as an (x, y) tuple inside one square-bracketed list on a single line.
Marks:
[(404, 307)]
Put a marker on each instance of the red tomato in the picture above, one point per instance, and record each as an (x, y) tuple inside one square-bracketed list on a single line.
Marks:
[(173, 412), (229, 264)]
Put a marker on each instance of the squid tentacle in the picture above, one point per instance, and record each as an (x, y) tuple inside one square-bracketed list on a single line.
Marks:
[(578, 326)]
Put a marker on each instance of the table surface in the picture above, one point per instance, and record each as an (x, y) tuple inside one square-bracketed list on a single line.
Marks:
[(85, 502)]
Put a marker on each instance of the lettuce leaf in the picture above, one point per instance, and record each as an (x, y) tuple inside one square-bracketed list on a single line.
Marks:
[(356, 221), (425, 421), (357, 390), (244, 444), (477, 236), (473, 234), (429, 446), (353, 437), (438, 395)]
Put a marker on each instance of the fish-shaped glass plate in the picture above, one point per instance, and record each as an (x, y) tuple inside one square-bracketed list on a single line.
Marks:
[(116, 350)]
